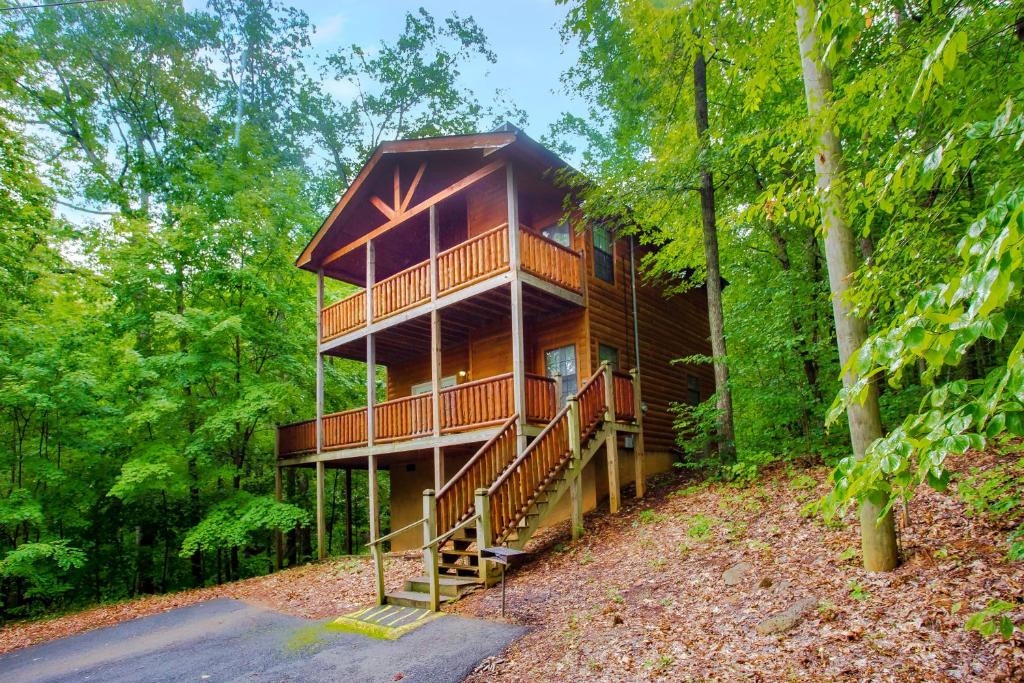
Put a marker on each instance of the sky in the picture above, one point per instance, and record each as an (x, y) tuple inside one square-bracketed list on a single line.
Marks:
[(524, 34)]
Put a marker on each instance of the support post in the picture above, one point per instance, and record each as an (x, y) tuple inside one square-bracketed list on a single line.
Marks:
[(435, 354), (321, 522), (371, 402), (518, 347), (348, 510), (575, 469), (482, 505), (611, 442), (430, 552), (319, 361), (639, 455), (278, 533)]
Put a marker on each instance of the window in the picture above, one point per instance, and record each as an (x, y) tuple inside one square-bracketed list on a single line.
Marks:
[(608, 353), (604, 254), (692, 390), (427, 387), (558, 233), (562, 361)]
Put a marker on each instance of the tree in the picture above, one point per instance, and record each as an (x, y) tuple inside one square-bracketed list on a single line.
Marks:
[(878, 533)]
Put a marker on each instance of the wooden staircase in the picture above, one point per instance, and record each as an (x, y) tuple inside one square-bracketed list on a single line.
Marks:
[(501, 496)]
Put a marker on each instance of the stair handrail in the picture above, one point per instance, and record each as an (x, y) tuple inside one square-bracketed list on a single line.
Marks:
[(452, 511), (476, 456), (526, 451), (451, 532), (376, 541)]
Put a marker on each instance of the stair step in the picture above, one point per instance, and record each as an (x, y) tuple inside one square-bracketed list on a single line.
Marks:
[(451, 586), (412, 599)]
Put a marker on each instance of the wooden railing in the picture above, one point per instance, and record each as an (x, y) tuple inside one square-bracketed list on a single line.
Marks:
[(455, 499), (345, 429), (298, 437), (518, 485), (625, 409), (403, 418), (343, 316), (472, 261), (592, 404), (541, 398), (551, 261), (476, 404), (401, 291)]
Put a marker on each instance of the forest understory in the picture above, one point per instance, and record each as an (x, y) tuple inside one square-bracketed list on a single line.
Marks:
[(677, 585)]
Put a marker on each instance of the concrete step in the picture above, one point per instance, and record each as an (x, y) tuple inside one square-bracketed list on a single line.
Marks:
[(451, 586), (412, 599)]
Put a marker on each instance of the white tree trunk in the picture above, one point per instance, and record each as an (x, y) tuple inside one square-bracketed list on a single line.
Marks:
[(878, 535)]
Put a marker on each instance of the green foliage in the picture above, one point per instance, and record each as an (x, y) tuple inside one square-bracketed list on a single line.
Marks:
[(695, 427), (649, 517), (992, 620), (857, 591), (43, 567), (150, 342), (236, 521), (997, 493), (699, 527), (748, 466)]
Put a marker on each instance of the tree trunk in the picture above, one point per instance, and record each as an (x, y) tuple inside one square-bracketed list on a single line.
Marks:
[(726, 433), (878, 534)]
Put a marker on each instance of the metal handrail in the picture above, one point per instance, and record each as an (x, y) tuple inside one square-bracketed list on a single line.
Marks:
[(395, 533)]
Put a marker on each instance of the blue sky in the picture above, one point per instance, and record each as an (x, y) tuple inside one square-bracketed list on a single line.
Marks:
[(524, 34)]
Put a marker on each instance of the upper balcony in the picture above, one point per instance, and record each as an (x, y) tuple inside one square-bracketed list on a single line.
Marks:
[(476, 260)]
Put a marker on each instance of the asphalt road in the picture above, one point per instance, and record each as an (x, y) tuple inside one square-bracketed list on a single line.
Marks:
[(228, 640)]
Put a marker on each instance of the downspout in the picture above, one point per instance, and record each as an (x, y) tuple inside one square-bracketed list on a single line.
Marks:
[(636, 323)]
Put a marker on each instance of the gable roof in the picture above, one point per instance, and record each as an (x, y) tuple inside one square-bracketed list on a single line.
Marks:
[(505, 137)]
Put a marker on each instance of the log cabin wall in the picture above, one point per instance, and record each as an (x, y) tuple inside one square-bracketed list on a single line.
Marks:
[(486, 204), (670, 328), (402, 377)]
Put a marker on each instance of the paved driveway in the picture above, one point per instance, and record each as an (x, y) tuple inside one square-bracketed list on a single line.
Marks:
[(228, 640)]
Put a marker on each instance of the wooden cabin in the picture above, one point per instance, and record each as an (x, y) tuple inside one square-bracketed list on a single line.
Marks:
[(525, 356)]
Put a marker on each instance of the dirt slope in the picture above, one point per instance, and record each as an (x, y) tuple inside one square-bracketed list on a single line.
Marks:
[(643, 596)]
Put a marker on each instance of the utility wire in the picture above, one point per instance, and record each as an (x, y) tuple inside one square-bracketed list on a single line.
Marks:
[(51, 4)]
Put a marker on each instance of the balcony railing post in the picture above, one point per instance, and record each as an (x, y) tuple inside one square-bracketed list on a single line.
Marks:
[(575, 474), (431, 552), (482, 505), (639, 456), (319, 361)]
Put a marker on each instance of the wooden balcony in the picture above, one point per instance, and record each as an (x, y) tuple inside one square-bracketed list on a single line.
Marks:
[(465, 264), (474, 405)]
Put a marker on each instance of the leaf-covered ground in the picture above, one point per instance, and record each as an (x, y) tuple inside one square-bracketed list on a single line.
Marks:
[(642, 595), (314, 591)]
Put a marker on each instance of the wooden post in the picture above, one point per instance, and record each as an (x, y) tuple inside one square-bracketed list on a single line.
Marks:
[(430, 552), (278, 533), (518, 349), (321, 523), (371, 402), (319, 361), (639, 455), (611, 442), (482, 504), (575, 469), (435, 353), (348, 510)]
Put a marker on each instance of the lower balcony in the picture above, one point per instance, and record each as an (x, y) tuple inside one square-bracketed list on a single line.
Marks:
[(465, 407)]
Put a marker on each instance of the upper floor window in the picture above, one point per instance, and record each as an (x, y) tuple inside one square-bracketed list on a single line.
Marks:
[(427, 387), (692, 390), (604, 254), (608, 353), (558, 233)]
